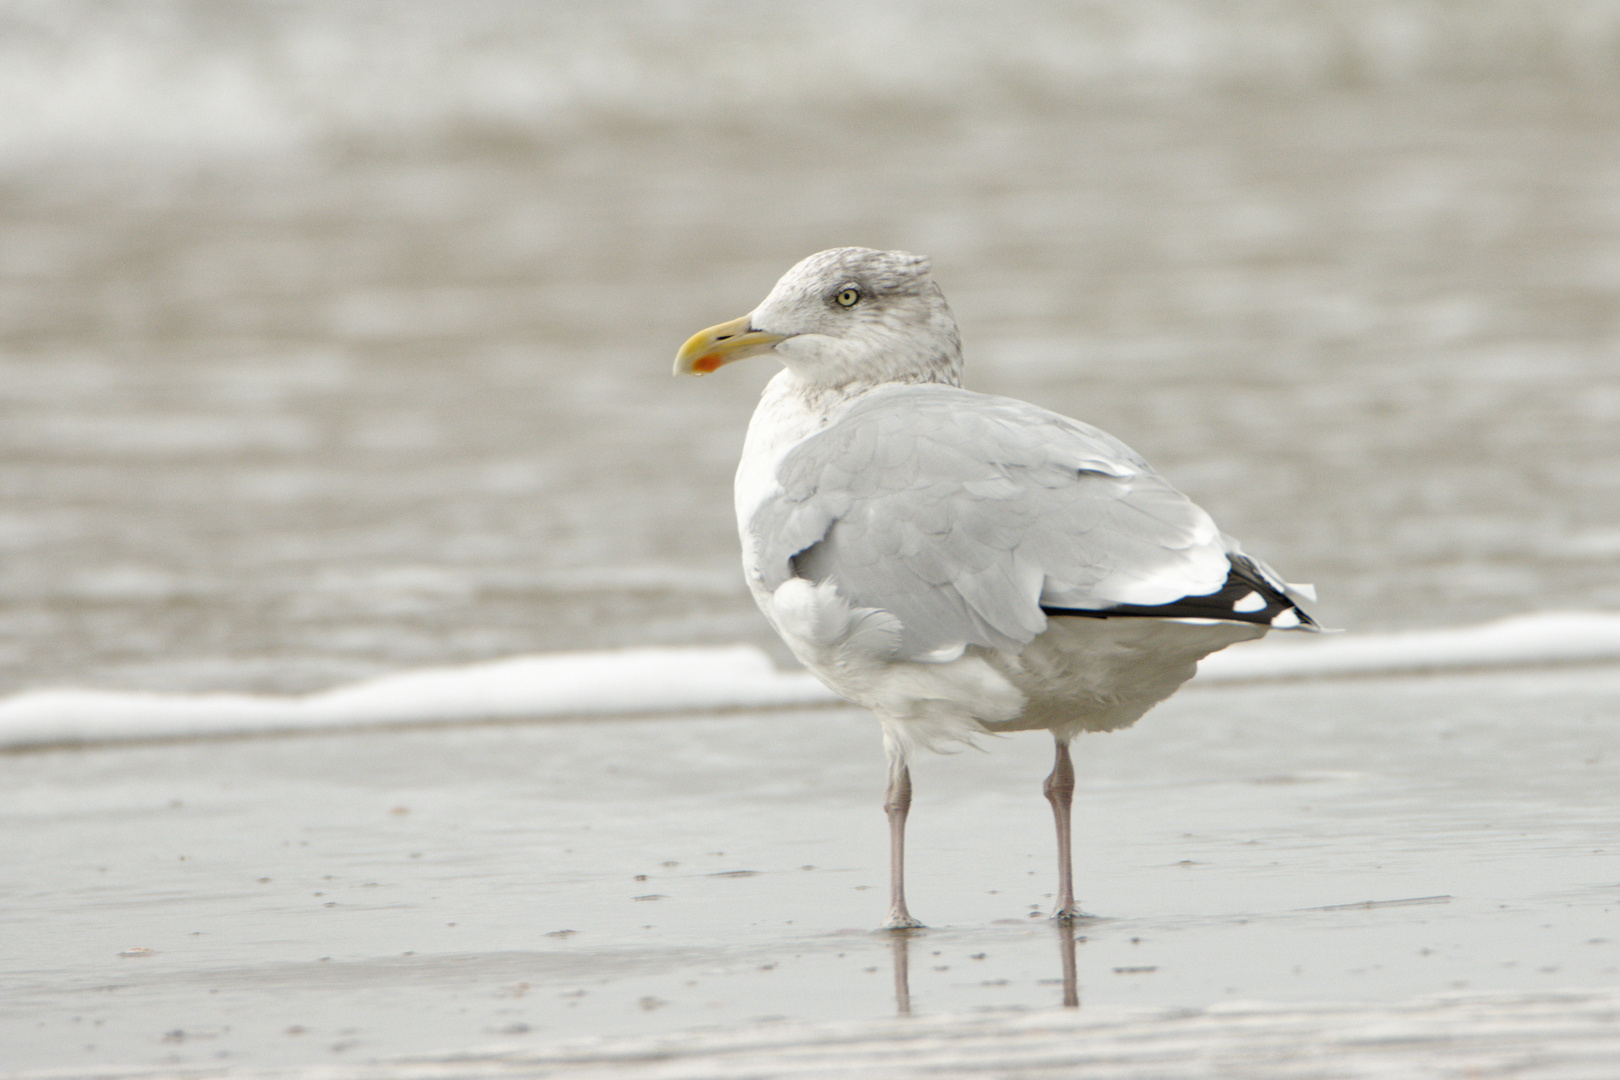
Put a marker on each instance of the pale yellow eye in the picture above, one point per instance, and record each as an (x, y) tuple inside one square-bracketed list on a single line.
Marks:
[(848, 297)]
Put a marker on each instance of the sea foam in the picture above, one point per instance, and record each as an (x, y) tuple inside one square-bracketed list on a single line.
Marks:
[(652, 681)]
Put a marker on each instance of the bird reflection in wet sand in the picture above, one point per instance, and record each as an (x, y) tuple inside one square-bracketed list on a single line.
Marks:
[(959, 563), (900, 954), (1071, 974)]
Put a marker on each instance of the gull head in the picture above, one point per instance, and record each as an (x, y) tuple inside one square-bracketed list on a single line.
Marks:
[(848, 315)]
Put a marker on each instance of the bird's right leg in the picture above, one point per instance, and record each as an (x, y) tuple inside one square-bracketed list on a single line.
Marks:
[(1059, 789), (897, 803)]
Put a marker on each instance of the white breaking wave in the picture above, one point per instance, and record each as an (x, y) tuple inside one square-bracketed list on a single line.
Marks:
[(621, 682), (81, 75), (681, 680), (1521, 641)]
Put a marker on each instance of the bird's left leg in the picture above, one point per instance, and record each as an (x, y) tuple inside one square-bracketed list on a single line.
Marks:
[(1059, 789), (897, 803)]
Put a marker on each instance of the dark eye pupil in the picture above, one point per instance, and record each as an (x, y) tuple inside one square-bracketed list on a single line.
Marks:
[(847, 297)]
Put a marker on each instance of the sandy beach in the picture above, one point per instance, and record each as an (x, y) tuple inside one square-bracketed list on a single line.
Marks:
[(1272, 865)]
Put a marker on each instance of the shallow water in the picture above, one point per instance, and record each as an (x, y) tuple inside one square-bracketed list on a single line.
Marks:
[(362, 366)]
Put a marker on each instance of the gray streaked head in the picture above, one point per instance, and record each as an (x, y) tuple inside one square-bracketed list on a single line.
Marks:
[(859, 315)]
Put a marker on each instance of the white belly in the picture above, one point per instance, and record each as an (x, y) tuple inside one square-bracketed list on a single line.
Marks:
[(1079, 675)]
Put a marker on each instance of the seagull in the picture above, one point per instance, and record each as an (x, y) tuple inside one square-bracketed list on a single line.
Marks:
[(958, 563)]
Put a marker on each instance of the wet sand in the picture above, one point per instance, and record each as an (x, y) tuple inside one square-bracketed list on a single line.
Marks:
[(575, 891)]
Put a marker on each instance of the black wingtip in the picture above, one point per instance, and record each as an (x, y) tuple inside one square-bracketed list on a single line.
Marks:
[(1248, 596)]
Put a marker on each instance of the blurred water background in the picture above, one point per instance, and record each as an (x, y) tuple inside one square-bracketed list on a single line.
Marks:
[(335, 337)]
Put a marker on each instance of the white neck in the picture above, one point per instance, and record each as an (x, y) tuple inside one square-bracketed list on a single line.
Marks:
[(789, 412)]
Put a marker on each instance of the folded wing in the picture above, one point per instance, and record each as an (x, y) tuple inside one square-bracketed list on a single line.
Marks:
[(973, 518)]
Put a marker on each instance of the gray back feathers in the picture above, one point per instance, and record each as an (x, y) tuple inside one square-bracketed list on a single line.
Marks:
[(962, 514)]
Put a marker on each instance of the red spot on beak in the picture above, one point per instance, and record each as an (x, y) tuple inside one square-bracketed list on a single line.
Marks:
[(706, 365)]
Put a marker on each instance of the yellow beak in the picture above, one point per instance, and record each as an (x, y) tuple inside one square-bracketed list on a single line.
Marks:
[(707, 350)]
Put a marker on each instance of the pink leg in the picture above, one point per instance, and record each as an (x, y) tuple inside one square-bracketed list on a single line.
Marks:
[(897, 803), (1059, 788)]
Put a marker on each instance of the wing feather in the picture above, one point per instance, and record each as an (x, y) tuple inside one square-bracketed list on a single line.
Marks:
[(964, 515)]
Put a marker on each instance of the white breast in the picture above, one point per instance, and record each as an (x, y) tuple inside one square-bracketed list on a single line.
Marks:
[(785, 417)]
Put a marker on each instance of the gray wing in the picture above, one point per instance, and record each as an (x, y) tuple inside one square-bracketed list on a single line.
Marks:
[(964, 514)]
